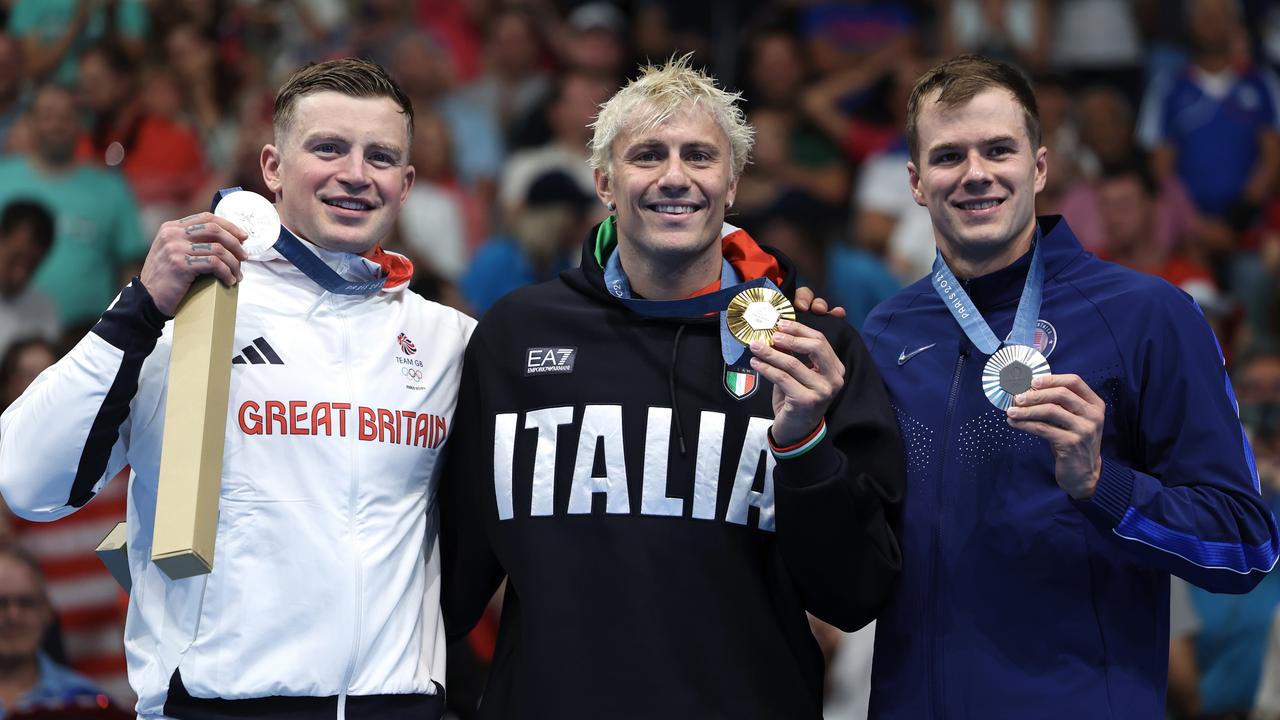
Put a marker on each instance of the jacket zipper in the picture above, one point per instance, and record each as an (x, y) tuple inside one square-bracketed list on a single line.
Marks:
[(357, 571), (938, 682)]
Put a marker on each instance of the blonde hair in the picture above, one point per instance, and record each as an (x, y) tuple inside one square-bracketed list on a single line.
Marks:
[(659, 93)]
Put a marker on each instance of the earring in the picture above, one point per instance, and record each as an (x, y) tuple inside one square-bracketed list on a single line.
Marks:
[(728, 205), (612, 206)]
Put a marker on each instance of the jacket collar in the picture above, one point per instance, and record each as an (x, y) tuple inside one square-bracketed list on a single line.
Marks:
[(1058, 247), (749, 258)]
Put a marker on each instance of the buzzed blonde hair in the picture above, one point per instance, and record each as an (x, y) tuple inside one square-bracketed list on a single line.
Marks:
[(659, 93)]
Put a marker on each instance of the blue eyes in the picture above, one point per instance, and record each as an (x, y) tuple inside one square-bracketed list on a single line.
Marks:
[(379, 158)]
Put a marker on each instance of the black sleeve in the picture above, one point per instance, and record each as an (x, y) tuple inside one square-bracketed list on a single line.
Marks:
[(471, 571), (838, 505)]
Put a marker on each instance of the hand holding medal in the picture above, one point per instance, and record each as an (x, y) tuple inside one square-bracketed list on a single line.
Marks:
[(763, 320), (1067, 413), (1062, 409), (183, 250)]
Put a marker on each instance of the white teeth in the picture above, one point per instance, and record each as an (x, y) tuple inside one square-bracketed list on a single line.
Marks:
[(979, 204), (674, 209), (348, 204)]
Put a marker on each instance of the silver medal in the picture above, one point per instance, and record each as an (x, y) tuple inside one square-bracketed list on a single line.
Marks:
[(1009, 372), (254, 214)]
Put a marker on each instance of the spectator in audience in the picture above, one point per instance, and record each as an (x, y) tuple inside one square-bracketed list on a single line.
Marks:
[(888, 223), (1016, 31), (135, 128), (593, 39), (422, 69), (794, 162), (12, 99), (515, 79), (1096, 42), (840, 34), (26, 234), (208, 91), (545, 230), (858, 107), (433, 223), (1105, 121), (1138, 232), (28, 678), (21, 362), (379, 28), (569, 115), (1214, 124), (1060, 135), (97, 239), (1105, 118), (459, 27), (55, 32)]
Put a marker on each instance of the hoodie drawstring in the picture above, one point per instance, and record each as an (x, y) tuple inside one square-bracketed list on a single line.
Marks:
[(671, 383)]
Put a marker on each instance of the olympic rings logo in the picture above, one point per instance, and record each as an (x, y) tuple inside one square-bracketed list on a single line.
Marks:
[(412, 374)]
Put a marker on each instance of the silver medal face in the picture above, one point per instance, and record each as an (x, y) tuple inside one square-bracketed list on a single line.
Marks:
[(1009, 372), (254, 214)]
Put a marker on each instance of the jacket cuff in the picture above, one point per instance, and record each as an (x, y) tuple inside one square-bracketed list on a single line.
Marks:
[(1111, 496), (819, 463), (133, 322)]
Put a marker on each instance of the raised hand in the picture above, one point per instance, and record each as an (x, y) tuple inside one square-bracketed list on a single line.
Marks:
[(801, 392), (182, 250)]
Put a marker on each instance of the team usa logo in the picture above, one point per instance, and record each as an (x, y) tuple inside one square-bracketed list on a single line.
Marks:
[(1046, 337), (1044, 340), (406, 345), (740, 382)]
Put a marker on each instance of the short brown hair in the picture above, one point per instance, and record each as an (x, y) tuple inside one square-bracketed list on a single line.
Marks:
[(354, 77), (962, 78)]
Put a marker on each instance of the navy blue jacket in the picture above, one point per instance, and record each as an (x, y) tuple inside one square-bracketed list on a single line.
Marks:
[(1016, 601)]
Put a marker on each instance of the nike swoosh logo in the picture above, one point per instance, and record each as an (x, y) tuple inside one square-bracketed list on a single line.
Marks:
[(904, 356)]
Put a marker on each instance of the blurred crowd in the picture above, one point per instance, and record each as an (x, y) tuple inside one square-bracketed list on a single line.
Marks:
[(1162, 121)]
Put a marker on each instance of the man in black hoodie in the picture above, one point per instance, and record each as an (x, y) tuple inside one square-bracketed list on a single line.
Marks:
[(665, 502)]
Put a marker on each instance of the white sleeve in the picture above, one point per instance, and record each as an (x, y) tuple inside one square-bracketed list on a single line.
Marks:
[(69, 432)]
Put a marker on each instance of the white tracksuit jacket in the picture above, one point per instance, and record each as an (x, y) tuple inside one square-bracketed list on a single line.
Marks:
[(326, 578)]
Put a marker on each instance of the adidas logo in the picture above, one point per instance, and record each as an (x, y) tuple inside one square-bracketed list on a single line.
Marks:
[(259, 353)]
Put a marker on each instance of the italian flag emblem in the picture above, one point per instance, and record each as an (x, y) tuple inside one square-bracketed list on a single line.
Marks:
[(740, 382)]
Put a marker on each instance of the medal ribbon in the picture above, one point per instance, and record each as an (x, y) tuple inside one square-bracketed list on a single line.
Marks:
[(734, 352), (971, 321), (296, 252)]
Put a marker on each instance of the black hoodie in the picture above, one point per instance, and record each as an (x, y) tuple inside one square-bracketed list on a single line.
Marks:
[(600, 461)]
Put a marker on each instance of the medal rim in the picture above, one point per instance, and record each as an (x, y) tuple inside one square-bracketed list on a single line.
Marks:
[(742, 330), (260, 210)]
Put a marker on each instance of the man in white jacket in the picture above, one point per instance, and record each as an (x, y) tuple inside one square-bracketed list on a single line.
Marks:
[(323, 600)]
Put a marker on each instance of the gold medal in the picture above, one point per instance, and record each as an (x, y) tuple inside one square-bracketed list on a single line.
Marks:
[(754, 314)]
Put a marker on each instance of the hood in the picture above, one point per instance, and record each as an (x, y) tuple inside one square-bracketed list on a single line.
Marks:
[(750, 259)]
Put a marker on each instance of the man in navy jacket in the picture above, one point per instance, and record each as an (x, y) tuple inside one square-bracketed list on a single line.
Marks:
[(1038, 537)]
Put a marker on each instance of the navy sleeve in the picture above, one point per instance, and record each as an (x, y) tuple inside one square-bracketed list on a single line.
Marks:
[(1190, 502), (470, 569)]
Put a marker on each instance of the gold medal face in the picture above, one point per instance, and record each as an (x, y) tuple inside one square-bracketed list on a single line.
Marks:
[(754, 314)]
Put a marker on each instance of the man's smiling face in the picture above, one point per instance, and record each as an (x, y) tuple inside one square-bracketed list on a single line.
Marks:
[(671, 184), (978, 175), (340, 171)]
